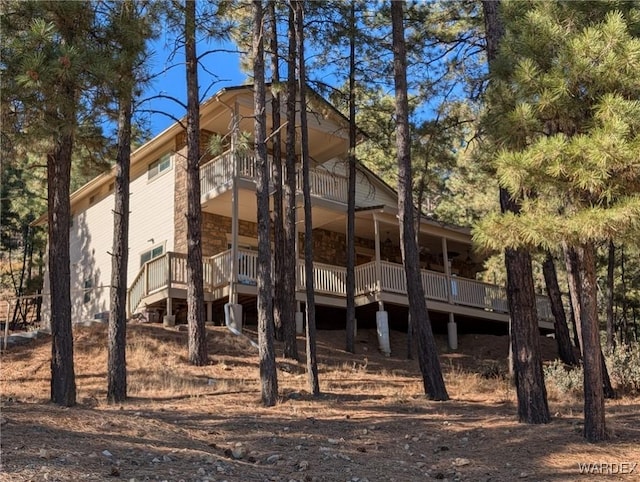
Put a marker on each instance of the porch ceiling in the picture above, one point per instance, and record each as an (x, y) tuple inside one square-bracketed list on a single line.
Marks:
[(326, 140), (326, 215)]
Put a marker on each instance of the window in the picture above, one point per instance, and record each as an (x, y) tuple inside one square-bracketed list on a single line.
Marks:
[(159, 166), (88, 285), (151, 254)]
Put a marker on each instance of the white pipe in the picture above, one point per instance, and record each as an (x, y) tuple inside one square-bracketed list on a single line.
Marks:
[(233, 329)]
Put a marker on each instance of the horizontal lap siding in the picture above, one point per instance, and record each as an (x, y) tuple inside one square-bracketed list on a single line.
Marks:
[(152, 204), (91, 239)]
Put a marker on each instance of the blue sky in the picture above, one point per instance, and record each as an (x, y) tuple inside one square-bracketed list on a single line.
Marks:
[(171, 79)]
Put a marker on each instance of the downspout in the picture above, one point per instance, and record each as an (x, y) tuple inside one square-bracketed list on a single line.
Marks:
[(232, 327)]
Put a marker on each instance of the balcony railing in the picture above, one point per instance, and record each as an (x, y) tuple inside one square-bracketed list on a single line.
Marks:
[(218, 173), (169, 271)]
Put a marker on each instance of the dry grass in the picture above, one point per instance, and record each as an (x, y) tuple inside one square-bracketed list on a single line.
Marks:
[(372, 420)]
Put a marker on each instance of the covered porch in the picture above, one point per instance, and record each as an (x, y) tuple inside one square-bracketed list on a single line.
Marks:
[(163, 279)]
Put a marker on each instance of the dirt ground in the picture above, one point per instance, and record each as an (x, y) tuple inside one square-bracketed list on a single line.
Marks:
[(371, 423)]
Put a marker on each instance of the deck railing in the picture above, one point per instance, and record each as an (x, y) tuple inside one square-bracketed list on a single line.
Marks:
[(366, 279), (434, 285), (170, 270), (327, 279), (218, 172), (324, 184)]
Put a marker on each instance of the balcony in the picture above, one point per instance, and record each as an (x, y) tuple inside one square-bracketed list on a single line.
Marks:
[(217, 174), (372, 279)]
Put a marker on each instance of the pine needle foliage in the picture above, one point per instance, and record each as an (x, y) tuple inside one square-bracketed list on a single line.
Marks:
[(568, 124)]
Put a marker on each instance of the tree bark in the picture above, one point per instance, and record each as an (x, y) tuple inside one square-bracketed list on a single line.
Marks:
[(117, 363), (128, 16), (280, 298), (351, 190), (268, 375), (563, 340), (195, 278), (289, 188), (626, 333), (527, 361), (573, 282), (611, 266), (594, 415), (63, 381), (574, 276), (312, 363), (427, 350), (525, 343)]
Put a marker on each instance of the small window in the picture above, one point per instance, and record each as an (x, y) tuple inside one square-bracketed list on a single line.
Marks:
[(159, 166), (88, 288), (151, 254)]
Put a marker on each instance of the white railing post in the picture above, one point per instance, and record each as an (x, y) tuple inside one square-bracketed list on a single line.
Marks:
[(169, 270), (146, 280), (376, 229)]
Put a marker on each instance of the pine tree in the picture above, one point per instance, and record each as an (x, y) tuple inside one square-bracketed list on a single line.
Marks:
[(289, 186), (127, 33), (282, 305), (561, 328), (195, 278), (570, 91), (312, 363), (427, 350), (525, 345), (268, 375), (351, 189), (49, 52)]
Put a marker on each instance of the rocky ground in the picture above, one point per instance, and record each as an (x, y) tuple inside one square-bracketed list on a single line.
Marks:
[(371, 422)]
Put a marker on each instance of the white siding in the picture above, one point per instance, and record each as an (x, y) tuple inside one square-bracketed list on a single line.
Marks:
[(91, 238), (151, 216)]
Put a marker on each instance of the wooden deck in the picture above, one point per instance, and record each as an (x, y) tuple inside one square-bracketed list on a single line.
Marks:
[(166, 276)]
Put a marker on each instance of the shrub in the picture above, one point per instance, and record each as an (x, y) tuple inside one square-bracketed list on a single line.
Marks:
[(565, 379), (624, 367)]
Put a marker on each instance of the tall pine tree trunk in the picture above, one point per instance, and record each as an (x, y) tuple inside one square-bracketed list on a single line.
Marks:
[(563, 340), (312, 363), (573, 283), (351, 190), (126, 18), (63, 380), (195, 278), (427, 350), (525, 343), (611, 266), (268, 375), (625, 336), (116, 363), (574, 276), (280, 298), (289, 191), (594, 419)]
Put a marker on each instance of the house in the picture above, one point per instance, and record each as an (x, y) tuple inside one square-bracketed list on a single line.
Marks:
[(157, 239)]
